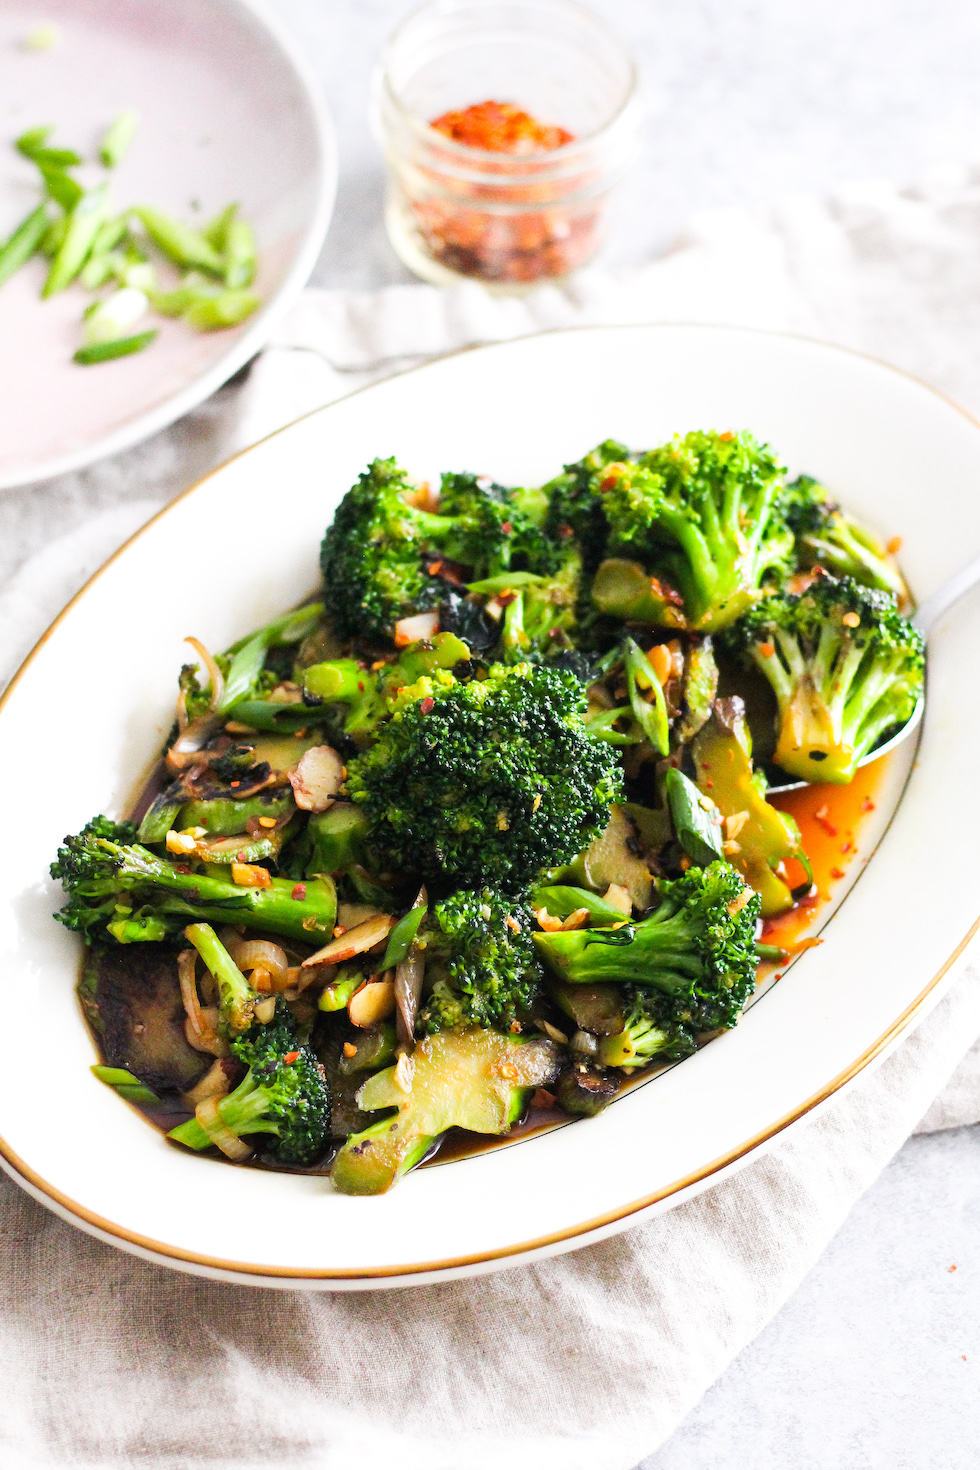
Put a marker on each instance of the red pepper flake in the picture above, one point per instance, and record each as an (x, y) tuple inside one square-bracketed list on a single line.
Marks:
[(360, 686), (299, 892), (847, 847), (234, 785), (506, 597), (951, 1269), (506, 527), (893, 545), (499, 127), (291, 1057), (867, 805), (427, 705), (526, 241), (822, 817), (767, 649), (565, 532), (837, 872), (434, 568), (727, 437)]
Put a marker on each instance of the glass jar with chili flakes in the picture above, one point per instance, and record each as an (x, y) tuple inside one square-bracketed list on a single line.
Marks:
[(506, 125)]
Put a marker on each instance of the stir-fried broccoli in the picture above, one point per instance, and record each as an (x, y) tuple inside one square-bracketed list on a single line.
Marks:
[(245, 677), (461, 1078), (575, 511), (485, 782), (845, 667), (540, 819), (701, 515), (361, 694), (697, 946), (382, 555), (653, 1031), (828, 537), (283, 1096), (480, 964), (120, 890)]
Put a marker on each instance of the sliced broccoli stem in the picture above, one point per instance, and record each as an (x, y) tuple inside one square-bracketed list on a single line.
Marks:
[(236, 998)]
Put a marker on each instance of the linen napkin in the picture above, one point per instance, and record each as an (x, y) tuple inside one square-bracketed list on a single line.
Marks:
[(592, 1358)]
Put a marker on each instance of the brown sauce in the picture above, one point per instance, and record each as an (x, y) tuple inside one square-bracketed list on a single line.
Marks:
[(830, 819)]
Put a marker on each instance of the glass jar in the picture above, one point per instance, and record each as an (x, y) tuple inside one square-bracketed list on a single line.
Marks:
[(508, 219)]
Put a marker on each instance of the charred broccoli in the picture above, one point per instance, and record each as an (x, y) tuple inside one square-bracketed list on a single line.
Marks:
[(480, 964), (382, 555)]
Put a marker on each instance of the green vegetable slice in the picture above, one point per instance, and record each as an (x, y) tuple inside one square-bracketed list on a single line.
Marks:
[(121, 347), (118, 136), (19, 246)]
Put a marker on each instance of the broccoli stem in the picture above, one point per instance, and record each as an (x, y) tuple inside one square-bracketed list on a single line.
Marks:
[(203, 896), (242, 1111), (236, 998)]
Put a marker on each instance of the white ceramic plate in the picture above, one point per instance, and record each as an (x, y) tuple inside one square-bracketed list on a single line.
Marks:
[(899, 454), (227, 112)]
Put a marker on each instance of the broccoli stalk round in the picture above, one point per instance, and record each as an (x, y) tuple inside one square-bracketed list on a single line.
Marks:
[(480, 964), (120, 890), (697, 947), (283, 1095), (701, 515), (845, 668), (485, 782)]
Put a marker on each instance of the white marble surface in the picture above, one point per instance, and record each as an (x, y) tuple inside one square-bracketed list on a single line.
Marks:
[(747, 100)]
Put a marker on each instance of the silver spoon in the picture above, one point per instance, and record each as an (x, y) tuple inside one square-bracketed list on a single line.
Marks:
[(925, 618)]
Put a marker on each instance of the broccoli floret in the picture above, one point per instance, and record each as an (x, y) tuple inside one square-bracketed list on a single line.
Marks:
[(575, 511), (119, 890), (697, 947), (845, 668), (701, 515), (652, 1031), (540, 618), (360, 695), (480, 964), (283, 1095), (485, 782), (381, 555), (827, 537)]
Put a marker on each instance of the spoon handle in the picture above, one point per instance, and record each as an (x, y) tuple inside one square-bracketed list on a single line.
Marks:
[(928, 614)]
